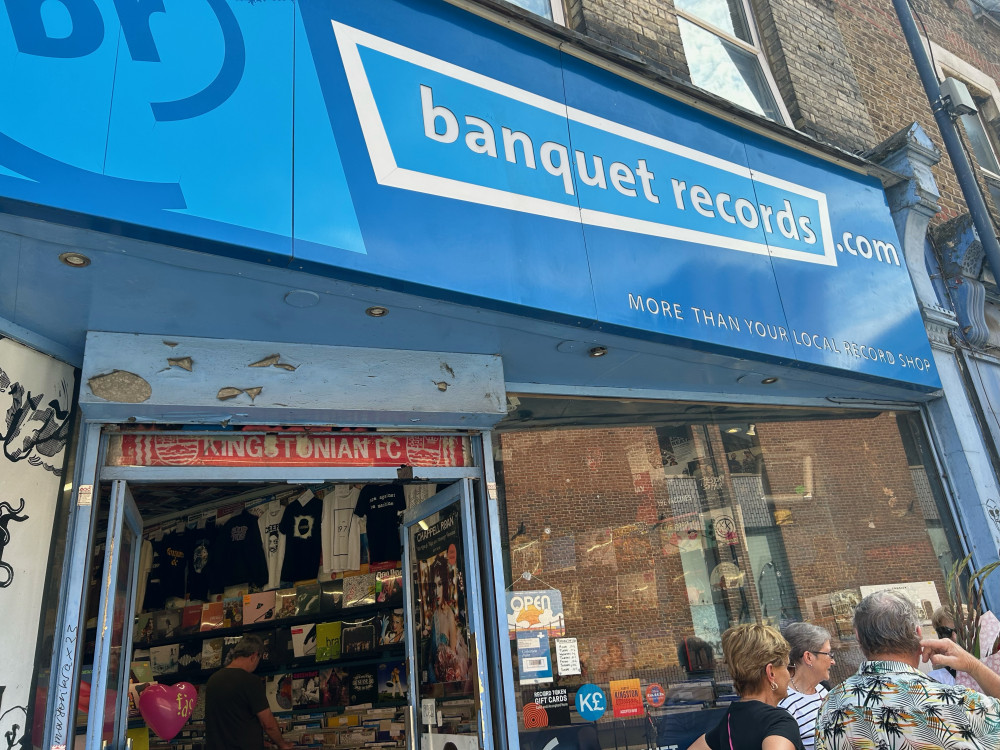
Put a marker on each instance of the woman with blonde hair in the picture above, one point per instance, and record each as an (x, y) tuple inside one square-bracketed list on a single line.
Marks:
[(757, 657), (811, 657)]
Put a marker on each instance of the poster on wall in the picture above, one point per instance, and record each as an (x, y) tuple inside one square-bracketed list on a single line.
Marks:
[(441, 602), (923, 594), (36, 396)]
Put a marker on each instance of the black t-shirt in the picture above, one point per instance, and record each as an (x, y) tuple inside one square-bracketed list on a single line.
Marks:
[(751, 722), (166, 576), (238, 555), (199, 561), (303, 542), (381, 504), (233, 698)]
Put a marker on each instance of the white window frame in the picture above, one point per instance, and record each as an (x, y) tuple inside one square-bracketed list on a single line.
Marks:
[(753, 49), (947, 64), (555, 8)]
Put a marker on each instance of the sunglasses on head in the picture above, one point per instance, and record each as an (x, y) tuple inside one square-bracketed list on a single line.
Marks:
[(945, 632)]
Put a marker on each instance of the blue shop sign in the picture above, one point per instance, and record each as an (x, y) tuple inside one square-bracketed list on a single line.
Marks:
[(411, 144)]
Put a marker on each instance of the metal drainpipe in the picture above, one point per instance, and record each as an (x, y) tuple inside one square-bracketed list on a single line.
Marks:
[(963, 170)]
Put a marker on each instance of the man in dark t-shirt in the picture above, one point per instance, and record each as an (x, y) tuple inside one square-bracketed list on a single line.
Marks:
[(236, 708)]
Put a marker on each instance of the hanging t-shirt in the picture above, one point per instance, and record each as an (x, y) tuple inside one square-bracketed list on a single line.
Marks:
[(273, 541), (341, 530), (238, 554), (417, 493), (301, 525), (200, 563), (380, 505), (168, 569)]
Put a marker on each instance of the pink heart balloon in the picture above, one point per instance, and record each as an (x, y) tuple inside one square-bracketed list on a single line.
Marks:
[(167, 708)]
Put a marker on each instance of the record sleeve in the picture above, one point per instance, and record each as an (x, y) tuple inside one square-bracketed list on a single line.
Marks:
[(212, 616), (359, 590), (307, 598), (304, 640), (357, 637), (328, 641), (285, 601), (258, 607), (211, 653)]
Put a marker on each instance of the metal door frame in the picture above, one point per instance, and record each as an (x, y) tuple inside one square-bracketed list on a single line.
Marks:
[(123, 513), (462, 493)]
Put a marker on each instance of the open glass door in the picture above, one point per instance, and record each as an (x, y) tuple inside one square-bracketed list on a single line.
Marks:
[(449, 701), (108, 715)]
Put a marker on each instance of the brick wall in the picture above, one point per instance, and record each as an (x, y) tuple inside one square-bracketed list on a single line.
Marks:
[(584, 484), (841, 490), (862, 524), (842, 66), (647, 28)]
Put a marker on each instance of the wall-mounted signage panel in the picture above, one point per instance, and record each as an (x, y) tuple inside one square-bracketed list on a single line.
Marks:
[(302, 449), (409, 142)]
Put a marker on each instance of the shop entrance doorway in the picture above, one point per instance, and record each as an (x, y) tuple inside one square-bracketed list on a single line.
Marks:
[(356, 650)]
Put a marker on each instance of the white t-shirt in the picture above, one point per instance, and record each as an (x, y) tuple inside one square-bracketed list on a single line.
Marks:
[(805, 709), (341, 530), (273, 540)]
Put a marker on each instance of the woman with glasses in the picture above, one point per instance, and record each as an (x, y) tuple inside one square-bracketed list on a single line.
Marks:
[(757, 657), (811, 661), (944, 626)]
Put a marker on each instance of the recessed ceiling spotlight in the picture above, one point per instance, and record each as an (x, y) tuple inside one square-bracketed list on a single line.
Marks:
[(74, 260), (377, 311), (598, 351), (768, 381)]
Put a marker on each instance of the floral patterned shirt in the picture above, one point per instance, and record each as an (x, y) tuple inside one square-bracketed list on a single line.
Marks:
[(889, 705)]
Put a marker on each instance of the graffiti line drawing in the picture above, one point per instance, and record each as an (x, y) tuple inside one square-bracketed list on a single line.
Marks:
[(12, 725), (8, 514), (33, 430), (994, 510)]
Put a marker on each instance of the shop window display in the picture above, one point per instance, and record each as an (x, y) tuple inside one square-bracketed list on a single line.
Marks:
[(292, 566), (637, 533)]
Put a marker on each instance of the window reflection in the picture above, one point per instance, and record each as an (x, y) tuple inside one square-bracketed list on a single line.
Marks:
[(538, 7), (980, 142), (728, 16), (661, 525), (727, 70)]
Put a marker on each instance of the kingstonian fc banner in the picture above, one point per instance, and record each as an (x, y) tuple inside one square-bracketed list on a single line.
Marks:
[(284, 449), (457, 159), (36, 393)]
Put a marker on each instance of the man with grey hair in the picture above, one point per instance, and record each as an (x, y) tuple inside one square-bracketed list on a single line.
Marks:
[(890, 703), (236, 708)]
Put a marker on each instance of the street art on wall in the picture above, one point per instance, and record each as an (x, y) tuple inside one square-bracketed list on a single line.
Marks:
[(36, 395)]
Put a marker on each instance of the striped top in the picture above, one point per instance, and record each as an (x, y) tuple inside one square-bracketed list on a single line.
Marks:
[(805, 709)]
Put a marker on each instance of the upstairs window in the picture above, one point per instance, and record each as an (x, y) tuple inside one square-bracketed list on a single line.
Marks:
[(980, 138), (550, 9), (982, 148), (724, 55)]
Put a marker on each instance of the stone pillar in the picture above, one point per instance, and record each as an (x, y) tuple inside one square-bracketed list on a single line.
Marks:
[(955, 430)]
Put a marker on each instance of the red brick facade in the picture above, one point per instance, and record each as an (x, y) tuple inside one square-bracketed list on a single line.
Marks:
[(840, 498)]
